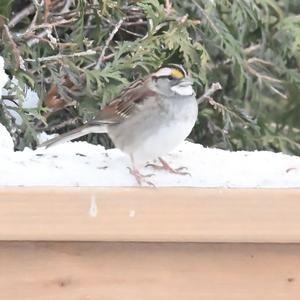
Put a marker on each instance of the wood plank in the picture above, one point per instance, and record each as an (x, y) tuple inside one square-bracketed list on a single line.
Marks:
[(129, 271), (149, 214)]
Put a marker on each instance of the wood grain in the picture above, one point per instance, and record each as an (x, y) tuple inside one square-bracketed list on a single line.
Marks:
[(147, 271), (149, 214)]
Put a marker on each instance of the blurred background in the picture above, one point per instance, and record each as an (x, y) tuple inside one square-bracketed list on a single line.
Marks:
[(67, 58)]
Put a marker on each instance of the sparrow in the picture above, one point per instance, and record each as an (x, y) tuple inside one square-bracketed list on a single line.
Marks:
[(148, 119)]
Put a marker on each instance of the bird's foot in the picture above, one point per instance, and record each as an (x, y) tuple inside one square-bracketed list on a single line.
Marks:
[(140, 178), (165, 166)]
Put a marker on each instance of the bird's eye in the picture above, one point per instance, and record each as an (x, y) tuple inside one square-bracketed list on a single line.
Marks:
[(170, 77)]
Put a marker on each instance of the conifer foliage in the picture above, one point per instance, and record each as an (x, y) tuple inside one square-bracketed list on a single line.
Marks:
[(77, 55)]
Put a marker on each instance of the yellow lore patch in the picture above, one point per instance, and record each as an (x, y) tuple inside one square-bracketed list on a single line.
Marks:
[(176, 74)]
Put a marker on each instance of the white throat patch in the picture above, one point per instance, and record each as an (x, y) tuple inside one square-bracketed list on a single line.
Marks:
[(183, 90)]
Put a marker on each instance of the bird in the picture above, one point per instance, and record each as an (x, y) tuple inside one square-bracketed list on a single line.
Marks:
[(147, 120)]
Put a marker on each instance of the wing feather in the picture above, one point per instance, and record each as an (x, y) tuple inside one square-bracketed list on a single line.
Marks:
[(122, 106)]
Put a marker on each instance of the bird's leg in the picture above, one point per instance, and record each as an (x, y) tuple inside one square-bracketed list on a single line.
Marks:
[(140, 178), (165, 166)]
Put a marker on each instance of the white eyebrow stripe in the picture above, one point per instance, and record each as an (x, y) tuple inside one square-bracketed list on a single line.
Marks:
[(163, 72)]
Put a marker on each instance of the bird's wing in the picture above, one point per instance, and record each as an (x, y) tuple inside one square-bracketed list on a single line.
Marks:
[(121, 107)]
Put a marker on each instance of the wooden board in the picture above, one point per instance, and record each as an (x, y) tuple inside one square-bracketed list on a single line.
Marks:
[(147, 271), (150, 214)]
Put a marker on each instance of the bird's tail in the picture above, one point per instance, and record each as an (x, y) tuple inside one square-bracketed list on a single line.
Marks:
[(74, 134)]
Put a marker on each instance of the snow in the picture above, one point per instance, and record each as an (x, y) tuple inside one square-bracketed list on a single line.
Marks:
[(31, 99), (6, 142), (3, 76), (83, 164)]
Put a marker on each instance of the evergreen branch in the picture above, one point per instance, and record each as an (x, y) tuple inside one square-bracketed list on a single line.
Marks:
[(33, 28), (284, 96), (25, 12), (40, 37), (14, 47), (70, 122), (259, 60), (216, 86), (62, 56), (252, 48), (233, 111), (68, 43), (168, 6), (262, 76), (212, 24), (111, 36)]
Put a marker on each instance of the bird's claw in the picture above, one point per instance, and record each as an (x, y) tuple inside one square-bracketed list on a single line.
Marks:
[(140, 178), (165, 166)]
